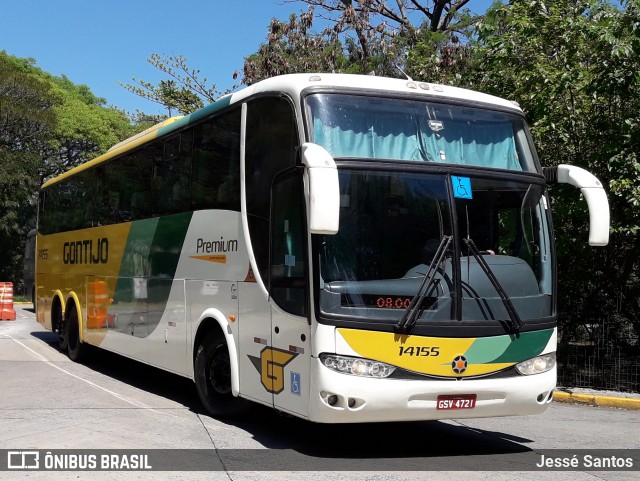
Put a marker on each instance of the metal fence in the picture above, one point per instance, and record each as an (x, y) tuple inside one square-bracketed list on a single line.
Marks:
[(600, 366)]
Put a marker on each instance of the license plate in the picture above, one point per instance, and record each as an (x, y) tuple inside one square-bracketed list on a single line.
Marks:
[(457, 401)]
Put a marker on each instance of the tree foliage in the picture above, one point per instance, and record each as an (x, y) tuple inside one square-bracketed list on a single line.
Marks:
[(573, 66), (26, 122), (363, 36), (351, 36), (292, 47), (47, 125), (183, 92)]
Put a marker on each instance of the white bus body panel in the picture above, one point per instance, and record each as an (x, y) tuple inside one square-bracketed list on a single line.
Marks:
[(411, 400)]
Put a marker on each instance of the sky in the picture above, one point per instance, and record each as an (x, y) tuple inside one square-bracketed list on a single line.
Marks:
[(100, 43)]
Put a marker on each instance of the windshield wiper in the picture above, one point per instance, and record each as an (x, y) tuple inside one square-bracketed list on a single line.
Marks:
[(516, 323), (412, 312)]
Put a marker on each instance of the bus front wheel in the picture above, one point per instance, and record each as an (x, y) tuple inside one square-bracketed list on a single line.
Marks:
[(213, 378)]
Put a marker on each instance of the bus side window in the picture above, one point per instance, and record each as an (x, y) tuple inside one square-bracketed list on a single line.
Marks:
[(202, 192), (47, 217), (83, 200), (171, 172), (227, 160), (270, 148), (215, 181), (288, 259), (125, 191)]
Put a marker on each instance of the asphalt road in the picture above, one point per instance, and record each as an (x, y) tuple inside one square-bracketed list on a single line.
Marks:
[(48, 403)]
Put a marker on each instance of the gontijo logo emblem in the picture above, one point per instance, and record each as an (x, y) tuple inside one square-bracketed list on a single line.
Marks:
[(271, 365)]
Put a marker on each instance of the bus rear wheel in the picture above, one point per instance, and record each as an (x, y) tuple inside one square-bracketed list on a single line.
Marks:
[(213, 378), (60, 326), (75, 348)]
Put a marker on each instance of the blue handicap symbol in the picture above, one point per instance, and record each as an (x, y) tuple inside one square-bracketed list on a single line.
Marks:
[(295, 383), (461, 187)]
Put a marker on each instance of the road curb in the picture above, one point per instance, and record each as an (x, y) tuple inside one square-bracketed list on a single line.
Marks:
[(597, 400)]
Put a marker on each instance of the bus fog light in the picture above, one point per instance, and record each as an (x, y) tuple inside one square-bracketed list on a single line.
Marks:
[(537, 365), (356, 366)]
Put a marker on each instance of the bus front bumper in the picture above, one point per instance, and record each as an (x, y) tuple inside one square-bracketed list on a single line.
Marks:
[(344, 398)]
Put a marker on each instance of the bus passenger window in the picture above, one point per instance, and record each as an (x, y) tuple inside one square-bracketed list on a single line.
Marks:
[(216, 163), (171, 172)]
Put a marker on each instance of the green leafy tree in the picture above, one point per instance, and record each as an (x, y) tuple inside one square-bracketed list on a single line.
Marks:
[(26, 122), (85, 127), (47, 125), (573, 67)]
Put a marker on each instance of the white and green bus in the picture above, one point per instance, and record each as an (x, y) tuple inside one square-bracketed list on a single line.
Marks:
[(342, 248)]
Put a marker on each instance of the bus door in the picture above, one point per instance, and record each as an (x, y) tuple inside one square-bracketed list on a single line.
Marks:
[(289, 296)]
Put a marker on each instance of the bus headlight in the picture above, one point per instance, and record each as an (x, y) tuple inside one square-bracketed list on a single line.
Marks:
[(356, 366), (537, 365)]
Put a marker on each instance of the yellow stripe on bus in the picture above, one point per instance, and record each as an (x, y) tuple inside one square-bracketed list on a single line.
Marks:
[(425, 355)]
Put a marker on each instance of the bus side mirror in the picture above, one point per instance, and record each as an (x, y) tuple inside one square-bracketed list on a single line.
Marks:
[(593, 193), (324, 189)]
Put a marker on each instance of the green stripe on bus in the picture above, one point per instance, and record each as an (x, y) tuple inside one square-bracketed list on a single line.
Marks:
[(525, 346), (150, 259), (485, 349)]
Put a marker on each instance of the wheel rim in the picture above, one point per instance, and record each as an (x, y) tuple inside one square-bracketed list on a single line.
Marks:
[(219, 372)]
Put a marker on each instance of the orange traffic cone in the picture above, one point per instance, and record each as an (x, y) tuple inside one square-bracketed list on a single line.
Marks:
[(7, 312), (97, 304)]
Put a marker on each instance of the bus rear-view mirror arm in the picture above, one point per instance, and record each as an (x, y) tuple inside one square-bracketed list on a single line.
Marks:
[(324, 189), (594, 194)]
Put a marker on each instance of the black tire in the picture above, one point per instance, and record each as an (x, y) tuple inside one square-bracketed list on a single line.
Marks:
[(212, 371), (76, 349), (61, 327)]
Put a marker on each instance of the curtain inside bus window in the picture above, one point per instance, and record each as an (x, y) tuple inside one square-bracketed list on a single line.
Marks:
[(353, 126)]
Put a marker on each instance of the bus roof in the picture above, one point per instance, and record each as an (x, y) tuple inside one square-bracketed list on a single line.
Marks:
[(294, 85)]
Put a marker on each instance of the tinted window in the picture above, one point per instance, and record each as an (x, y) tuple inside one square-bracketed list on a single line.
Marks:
[(215, 180), (288, 248), (198, 168), (270, 148), (124, 188), (171, 176)]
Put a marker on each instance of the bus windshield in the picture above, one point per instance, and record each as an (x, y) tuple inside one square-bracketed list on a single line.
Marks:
[(392, 224), (368, 127)]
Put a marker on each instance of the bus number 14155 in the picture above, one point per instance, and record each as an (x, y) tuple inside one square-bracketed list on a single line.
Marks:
[(423, 351)]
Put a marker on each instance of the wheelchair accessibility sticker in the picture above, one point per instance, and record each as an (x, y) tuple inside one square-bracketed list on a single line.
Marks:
[(295, 383), (461, 187)]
